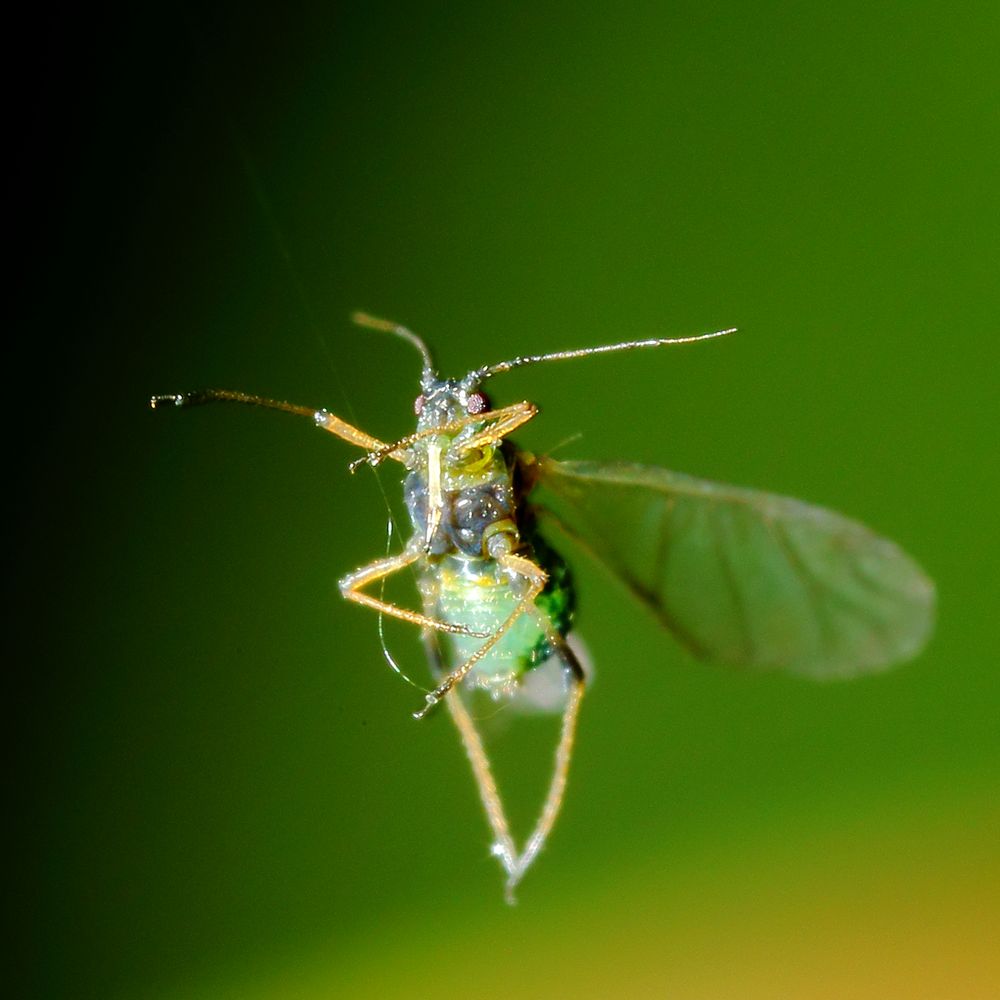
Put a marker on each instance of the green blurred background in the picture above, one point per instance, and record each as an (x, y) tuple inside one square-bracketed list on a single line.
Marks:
[(223, 793)]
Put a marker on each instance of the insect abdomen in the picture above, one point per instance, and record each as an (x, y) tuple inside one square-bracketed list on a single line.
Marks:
[(477, 594)]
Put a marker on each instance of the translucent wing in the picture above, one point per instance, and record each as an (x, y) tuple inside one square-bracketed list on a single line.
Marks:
[(743, 577)]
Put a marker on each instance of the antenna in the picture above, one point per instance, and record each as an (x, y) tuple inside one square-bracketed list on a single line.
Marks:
[(585, 352), (228, 396), (387, 326)]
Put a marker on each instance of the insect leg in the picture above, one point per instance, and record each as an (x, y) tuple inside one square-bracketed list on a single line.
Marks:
[(501, 421), (503, 846), (564, 753), (322, 418), (328, 421), (535, 577), (506, 420), (352, 584)]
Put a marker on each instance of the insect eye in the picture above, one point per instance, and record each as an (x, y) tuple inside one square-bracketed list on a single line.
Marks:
[(478, 402), (418, 404)]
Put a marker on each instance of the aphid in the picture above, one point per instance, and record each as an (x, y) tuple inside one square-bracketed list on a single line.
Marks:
[(738, 576)]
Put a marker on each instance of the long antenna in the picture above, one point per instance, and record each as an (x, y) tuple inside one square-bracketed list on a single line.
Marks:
[(585, 352), (228, 396), (387, 326)]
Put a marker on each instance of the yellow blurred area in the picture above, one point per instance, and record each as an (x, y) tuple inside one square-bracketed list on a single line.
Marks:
[(910, 910)]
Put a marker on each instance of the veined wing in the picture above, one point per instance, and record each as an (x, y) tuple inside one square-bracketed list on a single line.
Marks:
[(743, 577)]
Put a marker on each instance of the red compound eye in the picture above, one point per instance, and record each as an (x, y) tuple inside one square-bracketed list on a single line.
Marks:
[(418, 404), (478, 402)]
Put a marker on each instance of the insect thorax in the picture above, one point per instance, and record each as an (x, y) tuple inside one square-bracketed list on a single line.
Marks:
[(460, 498)]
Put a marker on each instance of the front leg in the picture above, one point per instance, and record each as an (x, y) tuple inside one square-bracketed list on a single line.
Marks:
[(505, 421), (500, 423)]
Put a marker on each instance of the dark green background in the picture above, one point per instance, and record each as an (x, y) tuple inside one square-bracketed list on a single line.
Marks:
[(223, 791)]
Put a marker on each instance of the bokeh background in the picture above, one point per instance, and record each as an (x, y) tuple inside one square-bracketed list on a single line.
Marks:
[(221, 787)]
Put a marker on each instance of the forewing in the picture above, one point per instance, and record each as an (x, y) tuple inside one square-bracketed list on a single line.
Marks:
[(743, 577)]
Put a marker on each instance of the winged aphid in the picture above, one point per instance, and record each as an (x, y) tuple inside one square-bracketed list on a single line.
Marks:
[(736, 575)]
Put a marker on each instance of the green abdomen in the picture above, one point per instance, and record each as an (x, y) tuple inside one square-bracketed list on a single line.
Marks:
[(475, 593)]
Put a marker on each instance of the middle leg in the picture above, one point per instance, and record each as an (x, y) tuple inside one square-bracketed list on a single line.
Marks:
[(352, 584)]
